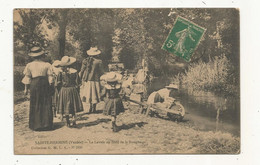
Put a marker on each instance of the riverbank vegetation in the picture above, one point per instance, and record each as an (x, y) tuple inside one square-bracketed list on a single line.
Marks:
[(218, 75), (218, 142), (134, 35)]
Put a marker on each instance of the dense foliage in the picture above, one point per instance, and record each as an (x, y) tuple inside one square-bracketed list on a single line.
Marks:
[(133, 35), (217, 75)]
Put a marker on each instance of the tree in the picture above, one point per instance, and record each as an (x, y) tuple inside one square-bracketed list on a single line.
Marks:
[(93, 27), (133, 34), (28, 31), (58, 19), (62, 23)]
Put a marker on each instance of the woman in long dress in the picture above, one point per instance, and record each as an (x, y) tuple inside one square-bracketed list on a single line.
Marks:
[(38, 77), (90, 73)]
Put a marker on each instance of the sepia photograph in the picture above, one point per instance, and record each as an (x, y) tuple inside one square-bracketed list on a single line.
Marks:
[(126, 81)]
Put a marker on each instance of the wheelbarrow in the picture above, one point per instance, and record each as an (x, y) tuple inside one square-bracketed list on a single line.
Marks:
[(175, 112)]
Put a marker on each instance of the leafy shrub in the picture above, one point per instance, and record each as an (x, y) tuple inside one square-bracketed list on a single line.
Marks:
[(18, 76), (216, 75)]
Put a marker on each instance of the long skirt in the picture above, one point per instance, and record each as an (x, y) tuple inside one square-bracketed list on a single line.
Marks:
[(113, 107), (90, 92), (41, 116), (69, 101), (55, 98)]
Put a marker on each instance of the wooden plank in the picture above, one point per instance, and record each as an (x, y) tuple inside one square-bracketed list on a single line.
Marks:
[(154, 107)]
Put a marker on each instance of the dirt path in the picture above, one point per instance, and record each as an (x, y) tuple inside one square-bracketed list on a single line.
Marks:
[(138, 134)]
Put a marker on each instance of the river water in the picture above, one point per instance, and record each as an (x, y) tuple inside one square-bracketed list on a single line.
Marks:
[(206, 111)]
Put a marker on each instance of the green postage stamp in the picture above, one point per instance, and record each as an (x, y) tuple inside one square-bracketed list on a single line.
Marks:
[(183, 38)]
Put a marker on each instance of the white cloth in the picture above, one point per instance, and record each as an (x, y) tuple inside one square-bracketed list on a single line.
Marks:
[(165, 94), (128, 82), (140, 76)]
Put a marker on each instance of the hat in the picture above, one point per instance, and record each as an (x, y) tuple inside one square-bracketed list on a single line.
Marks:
[(36, 51), (112, 77), (56, 63), (93, 51), (173, 86), (66, 61)]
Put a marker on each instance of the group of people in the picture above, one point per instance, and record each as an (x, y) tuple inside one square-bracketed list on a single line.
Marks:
[(61, 88)]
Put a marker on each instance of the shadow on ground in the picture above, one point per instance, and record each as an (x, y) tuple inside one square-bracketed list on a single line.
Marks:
[(58, 125), (131, 125), (164, 117), (92, 123)]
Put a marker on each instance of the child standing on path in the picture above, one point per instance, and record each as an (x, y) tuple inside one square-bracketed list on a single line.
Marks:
[(113, 102), (69, 102)]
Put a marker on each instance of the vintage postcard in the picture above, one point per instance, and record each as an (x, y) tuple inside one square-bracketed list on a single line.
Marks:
[(126, 81)]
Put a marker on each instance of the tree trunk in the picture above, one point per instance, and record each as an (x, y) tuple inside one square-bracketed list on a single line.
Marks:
[(62, 34)]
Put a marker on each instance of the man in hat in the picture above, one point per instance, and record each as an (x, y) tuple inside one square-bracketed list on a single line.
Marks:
[(91, 70)]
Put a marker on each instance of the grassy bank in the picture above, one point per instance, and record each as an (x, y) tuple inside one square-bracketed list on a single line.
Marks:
[(218, 75), (147, 135)]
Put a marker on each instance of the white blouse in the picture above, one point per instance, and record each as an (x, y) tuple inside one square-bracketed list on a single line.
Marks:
[(37, 69)]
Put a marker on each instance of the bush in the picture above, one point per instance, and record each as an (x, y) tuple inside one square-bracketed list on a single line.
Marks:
[(216, 75), (18, 76)]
